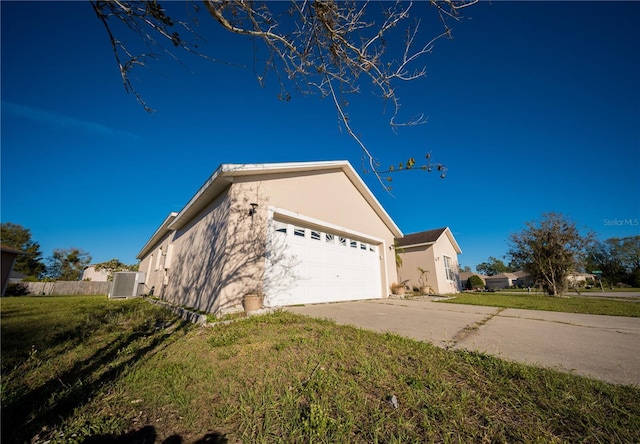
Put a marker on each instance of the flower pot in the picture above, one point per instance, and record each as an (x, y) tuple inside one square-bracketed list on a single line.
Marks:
[(425, 289), (252, 302), (398, 291)]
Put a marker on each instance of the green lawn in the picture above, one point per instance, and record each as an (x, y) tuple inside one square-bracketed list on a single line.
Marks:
[(571, 304), (86, 369)]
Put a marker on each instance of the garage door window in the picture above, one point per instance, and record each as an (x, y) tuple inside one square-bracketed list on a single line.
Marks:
[(280, 227), (317, 235)]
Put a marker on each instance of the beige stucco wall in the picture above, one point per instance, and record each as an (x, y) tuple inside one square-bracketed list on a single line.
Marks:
[(91, 274), (430, 257), (219, 255), (197, 277), (153, 265)]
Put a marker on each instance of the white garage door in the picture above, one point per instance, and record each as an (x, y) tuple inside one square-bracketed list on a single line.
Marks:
[(311, 265)]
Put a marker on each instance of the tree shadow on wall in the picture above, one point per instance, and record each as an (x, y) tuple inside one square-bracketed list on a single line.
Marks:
[(224, 253), (148, 435)]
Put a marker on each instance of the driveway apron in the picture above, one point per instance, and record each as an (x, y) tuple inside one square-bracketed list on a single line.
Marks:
[(600, 347)]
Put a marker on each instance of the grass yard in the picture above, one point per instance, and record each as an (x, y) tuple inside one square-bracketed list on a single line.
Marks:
[(86, 369), (571, 304)]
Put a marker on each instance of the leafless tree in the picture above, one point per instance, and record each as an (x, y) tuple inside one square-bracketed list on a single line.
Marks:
[(327, 47)]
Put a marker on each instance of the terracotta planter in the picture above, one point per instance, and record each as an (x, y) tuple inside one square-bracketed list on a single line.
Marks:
[(425, 289), (252, 302), (398, 291)]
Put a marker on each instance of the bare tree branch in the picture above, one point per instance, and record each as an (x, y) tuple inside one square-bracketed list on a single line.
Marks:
[(325, 47)]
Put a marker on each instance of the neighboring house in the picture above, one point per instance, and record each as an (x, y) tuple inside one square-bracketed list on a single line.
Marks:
[(524, 280), (303, 232), (435, 251), (8, 258), (15, 277), (579, 278), (501, 281), (465, 275), (91, 274)]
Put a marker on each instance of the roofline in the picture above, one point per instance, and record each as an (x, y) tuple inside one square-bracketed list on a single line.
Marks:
[(224, 175), (446, 231), (161, 232), (8, 249)]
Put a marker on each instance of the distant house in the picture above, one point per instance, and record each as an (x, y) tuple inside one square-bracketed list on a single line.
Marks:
[(578, 278), (524, 280), (435, 251), (8, 257), (465, 275), (501, 281), (91, 274), (15, 276)]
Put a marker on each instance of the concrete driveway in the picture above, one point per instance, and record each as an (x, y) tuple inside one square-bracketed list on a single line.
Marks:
[(599, 347)]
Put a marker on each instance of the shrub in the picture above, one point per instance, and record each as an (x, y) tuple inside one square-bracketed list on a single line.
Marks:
[(474, 281), (17, 289)]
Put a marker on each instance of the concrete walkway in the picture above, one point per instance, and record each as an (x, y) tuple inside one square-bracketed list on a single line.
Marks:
[(599, 347)]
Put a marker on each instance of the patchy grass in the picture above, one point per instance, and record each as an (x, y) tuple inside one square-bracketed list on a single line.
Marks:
[(571, 304), (280, 378), (59, 352)]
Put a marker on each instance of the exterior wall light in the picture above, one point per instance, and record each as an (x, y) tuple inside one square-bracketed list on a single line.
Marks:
[(253, 210)]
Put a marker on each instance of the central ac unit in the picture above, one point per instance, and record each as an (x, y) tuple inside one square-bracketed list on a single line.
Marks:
[(126, 284)]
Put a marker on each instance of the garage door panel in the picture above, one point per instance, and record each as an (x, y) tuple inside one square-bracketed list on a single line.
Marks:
[(328, 267)]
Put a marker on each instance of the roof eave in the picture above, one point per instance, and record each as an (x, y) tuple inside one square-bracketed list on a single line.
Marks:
[(446, 231), (160, 233), (453, 241), (225, 173)]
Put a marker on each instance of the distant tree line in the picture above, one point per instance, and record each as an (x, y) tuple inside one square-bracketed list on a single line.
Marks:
[(618, 259), (65, 264)]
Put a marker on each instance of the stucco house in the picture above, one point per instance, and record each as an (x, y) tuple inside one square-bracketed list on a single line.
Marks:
[(89, 273), (577, 278), (501, 281), (302, 232), (435, 251)]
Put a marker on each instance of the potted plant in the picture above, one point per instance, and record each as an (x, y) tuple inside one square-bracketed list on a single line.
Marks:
[(397, 289), (423, 281), (252, 301)]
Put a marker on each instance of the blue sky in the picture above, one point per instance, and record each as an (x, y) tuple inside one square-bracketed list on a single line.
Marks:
[(534, 107)]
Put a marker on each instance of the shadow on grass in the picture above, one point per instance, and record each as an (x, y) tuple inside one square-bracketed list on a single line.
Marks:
[(49, 405), (148, 435)]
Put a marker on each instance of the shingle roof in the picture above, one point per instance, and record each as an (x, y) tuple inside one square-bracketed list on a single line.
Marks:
[(503, 276), (423, 237)]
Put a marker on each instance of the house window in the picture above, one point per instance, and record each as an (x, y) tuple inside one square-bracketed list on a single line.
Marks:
[(343, 241), (354, 244), (329, 238), (298, 232), (448, 263), (363, 246), (315, 235)]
